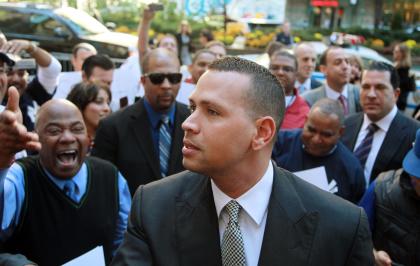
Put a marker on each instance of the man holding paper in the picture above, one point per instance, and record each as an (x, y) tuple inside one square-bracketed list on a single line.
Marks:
[(317, 144)]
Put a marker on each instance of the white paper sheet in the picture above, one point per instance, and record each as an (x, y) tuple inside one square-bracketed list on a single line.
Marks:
[(93, 257), (316, 176)]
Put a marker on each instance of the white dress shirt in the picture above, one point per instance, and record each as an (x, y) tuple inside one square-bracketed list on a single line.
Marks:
[(253, 216), (306, 85), (332, 94), (378, 139)]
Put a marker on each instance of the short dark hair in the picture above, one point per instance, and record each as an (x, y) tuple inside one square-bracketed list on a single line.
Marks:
[(200, 52), (156, 53), (285, 54), (207, 34), (324, 55), (84, 46), (384, 67), (328, 107), (273, 47), (84, 93), (101, 61), (265, 96)]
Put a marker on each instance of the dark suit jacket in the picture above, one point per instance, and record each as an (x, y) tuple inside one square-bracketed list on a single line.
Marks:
[(398, 141), (125, 139), (174, 222)]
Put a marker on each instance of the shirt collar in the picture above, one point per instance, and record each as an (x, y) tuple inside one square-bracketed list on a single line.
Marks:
[(79, 179), (254, 201), (154, 116), (306, 84), (332, 94), (384, 123)]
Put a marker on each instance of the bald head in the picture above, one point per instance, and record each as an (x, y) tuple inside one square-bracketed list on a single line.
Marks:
[(306, 58), (63, 137), (159, 55), (52, 108)]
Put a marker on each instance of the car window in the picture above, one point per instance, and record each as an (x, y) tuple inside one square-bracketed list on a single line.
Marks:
[(81, 22), (45, 25), (12, 21)]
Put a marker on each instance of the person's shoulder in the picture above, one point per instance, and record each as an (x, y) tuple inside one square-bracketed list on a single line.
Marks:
[(317, 200), (96, 162), (314, 94), (183, 109), (123, 114), (352, 118), (412, 123)]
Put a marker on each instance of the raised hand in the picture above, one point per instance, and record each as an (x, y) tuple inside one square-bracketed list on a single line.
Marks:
[(13, 134)]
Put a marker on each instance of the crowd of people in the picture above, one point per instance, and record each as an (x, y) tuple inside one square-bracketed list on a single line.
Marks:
[(202, 147)]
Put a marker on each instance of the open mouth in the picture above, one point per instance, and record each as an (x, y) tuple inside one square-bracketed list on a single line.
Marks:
[(67, 157)]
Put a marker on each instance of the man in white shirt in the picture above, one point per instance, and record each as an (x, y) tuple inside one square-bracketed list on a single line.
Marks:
[(67, 80), (334, 63), (233, 206), (380, 136), (306, 58)]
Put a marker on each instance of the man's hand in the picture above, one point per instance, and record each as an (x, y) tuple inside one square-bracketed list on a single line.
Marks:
[(13, 134), (17, 46), (148, 14), (382, 258)]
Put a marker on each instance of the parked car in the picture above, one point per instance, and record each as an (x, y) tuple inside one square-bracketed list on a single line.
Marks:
[(59, 29)]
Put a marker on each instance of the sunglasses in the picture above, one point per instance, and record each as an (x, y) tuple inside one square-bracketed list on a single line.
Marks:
[(158, 78)]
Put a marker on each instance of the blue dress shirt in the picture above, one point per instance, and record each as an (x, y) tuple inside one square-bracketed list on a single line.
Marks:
[(154, 118), (12, 197)]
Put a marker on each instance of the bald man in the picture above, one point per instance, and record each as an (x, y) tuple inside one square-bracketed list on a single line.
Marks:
[(306, 57), (70, 203)]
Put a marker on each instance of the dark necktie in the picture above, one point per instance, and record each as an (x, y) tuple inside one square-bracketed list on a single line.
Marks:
[(344, 103), (233, 253), (363, 150), (164, 144)]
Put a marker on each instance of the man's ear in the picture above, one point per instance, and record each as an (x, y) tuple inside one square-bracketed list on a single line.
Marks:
[(84, 77), (323, 69), (397, 92), (142, 80), (341, 131), (266, 131)]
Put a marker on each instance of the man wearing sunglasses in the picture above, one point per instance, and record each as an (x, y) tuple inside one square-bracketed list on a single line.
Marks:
[(144, 140)]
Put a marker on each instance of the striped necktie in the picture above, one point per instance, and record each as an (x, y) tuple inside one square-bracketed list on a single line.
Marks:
[(344, 103), (164, 144), (233, 252), (363, 150)]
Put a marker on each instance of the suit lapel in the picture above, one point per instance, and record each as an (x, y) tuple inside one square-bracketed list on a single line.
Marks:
[(388, 148), (352, 131), (197, 228), (143, 135), (177, 141), (290, 229)]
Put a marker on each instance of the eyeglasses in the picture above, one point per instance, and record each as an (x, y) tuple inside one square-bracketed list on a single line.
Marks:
[(158, 78)]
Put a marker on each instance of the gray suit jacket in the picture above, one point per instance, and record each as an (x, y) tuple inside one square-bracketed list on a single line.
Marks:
[(314, 95), (173, 222), (398, 141)]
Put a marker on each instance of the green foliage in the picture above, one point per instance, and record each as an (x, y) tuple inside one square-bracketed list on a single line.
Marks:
[(397, 21)]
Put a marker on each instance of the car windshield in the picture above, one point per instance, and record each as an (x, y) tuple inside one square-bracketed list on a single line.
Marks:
[(81, 22)]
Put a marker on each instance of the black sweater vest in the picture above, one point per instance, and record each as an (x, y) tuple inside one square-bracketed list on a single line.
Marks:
[(52, 228)]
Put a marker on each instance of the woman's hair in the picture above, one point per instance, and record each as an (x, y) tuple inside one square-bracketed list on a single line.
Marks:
[(185, 22), (356, 60), (207, 34), (84, 93), (406, 56)]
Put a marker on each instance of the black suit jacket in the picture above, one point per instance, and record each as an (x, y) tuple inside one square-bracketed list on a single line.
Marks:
[(125, 139), (398, 141), (174, 222)]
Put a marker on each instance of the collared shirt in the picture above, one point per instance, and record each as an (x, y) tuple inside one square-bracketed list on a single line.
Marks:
[(252, 218), (305, 86), (378, 139), (332, 94), (154, 118), (12, 197)]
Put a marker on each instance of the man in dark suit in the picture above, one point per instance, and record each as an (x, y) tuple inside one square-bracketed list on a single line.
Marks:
[(234, 207), (132, 137), (306, 57), (380, 136)]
